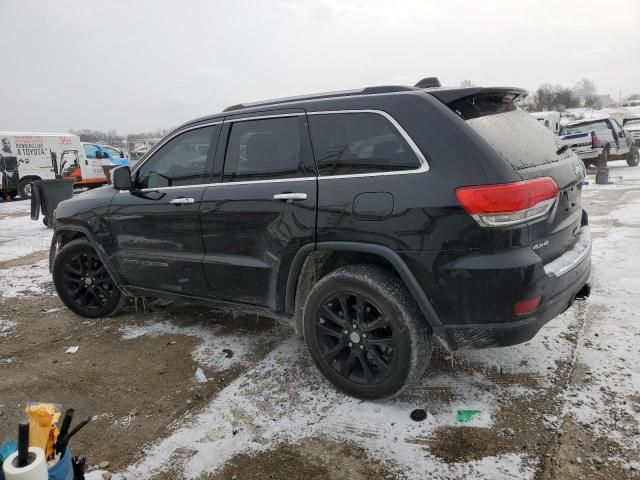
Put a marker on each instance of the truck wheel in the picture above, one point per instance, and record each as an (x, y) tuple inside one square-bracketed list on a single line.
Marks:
[(24, 189), (633, 157), (365, 332), (83, 283)]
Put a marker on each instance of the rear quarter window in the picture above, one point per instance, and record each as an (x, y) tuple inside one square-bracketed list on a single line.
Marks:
[(518, 138), (353, 143)]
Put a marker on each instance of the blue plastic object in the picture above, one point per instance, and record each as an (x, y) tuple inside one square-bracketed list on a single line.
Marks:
[(63, 470)]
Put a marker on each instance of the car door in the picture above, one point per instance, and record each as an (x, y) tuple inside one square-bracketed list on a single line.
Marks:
[(262, 210), (156, 226), (621, 137)]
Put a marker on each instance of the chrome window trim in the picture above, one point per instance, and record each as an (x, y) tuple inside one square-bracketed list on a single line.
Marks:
[(246, 182), (424, 165), (260, 117), (159, 145)]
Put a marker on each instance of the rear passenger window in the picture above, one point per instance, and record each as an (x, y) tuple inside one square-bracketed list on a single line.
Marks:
[(267, 149), (356, 143)]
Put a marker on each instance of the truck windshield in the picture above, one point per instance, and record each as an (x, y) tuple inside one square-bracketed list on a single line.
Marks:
[(111, 151)]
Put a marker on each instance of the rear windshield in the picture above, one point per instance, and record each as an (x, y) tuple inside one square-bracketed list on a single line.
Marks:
[(588, 127), (513, 133)]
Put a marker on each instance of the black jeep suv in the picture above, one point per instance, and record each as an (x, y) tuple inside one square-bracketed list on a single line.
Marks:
[(376, 220)]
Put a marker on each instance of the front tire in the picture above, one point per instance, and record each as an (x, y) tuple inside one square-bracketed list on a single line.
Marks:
[(633, 157), (365, 332), (83, 283)]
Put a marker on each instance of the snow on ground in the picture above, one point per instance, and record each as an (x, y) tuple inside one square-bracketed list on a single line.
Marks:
[(610, 344), (211, 351), (26, 281), (19, 235), (284, 399), (6, 327)]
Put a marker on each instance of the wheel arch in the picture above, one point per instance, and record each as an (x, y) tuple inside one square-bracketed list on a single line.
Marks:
[(67, 233), (312, 262)]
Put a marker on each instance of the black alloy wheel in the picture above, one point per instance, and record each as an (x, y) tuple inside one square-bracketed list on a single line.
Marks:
[(356, 338), (364, 331), (83, 282)]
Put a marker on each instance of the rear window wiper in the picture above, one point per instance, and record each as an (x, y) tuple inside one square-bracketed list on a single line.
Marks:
[(562, 149)]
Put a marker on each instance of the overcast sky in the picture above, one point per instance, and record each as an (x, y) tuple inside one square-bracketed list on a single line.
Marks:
[(142, 65)]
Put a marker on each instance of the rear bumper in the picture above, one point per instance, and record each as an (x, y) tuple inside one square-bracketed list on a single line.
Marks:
[(563, 280)]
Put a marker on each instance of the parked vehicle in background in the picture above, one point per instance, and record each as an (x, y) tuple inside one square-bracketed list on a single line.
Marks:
[(353, 215), (597, 141), (39, 156), (106, 153), (632, 126), (551, 120)]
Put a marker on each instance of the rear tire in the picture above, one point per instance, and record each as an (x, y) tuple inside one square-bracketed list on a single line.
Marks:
[(365, 332), (83, 283), (633, 157), (24, 188)]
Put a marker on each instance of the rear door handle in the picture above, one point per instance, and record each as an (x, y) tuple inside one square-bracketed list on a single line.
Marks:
[(182, 201), (290, 196)]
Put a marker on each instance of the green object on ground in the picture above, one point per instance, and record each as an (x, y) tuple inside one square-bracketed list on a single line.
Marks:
[(466, 415)]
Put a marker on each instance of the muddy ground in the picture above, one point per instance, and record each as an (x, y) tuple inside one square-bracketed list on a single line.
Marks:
[(141, 389)]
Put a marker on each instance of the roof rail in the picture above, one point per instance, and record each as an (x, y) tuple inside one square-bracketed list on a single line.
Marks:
[(319, 96)]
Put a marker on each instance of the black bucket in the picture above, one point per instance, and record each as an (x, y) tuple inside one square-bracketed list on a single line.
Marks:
[(602, 176), (46, 195)]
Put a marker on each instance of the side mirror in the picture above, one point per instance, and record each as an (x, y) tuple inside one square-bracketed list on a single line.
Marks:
[(621, 134), (121, 154), (99, 154), (121, 178)]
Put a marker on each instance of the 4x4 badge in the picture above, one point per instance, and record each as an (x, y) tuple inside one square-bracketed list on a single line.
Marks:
[(540, 245)]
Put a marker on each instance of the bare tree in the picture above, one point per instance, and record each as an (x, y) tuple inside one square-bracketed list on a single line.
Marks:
[(586, 90), (467, 84)]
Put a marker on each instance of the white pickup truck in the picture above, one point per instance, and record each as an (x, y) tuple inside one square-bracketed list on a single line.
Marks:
[(599, 140)]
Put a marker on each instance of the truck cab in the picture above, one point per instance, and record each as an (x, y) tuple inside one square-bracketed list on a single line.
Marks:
[(106, 152)]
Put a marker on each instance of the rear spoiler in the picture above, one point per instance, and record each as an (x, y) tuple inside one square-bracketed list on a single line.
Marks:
[(447, 95)]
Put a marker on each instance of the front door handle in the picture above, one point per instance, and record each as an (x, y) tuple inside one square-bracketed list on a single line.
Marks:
[(290, 196), (182, 201)]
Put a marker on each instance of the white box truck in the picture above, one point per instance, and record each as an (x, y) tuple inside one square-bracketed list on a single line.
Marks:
[(41, 156)]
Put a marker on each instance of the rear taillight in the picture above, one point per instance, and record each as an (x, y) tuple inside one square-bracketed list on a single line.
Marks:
[(526, 306), (594, 140), (509, 203)]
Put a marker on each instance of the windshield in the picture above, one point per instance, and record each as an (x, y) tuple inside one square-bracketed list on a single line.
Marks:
[(111, 151)]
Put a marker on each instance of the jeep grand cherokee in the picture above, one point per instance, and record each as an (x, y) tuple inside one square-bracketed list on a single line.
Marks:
[(377, 221)]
